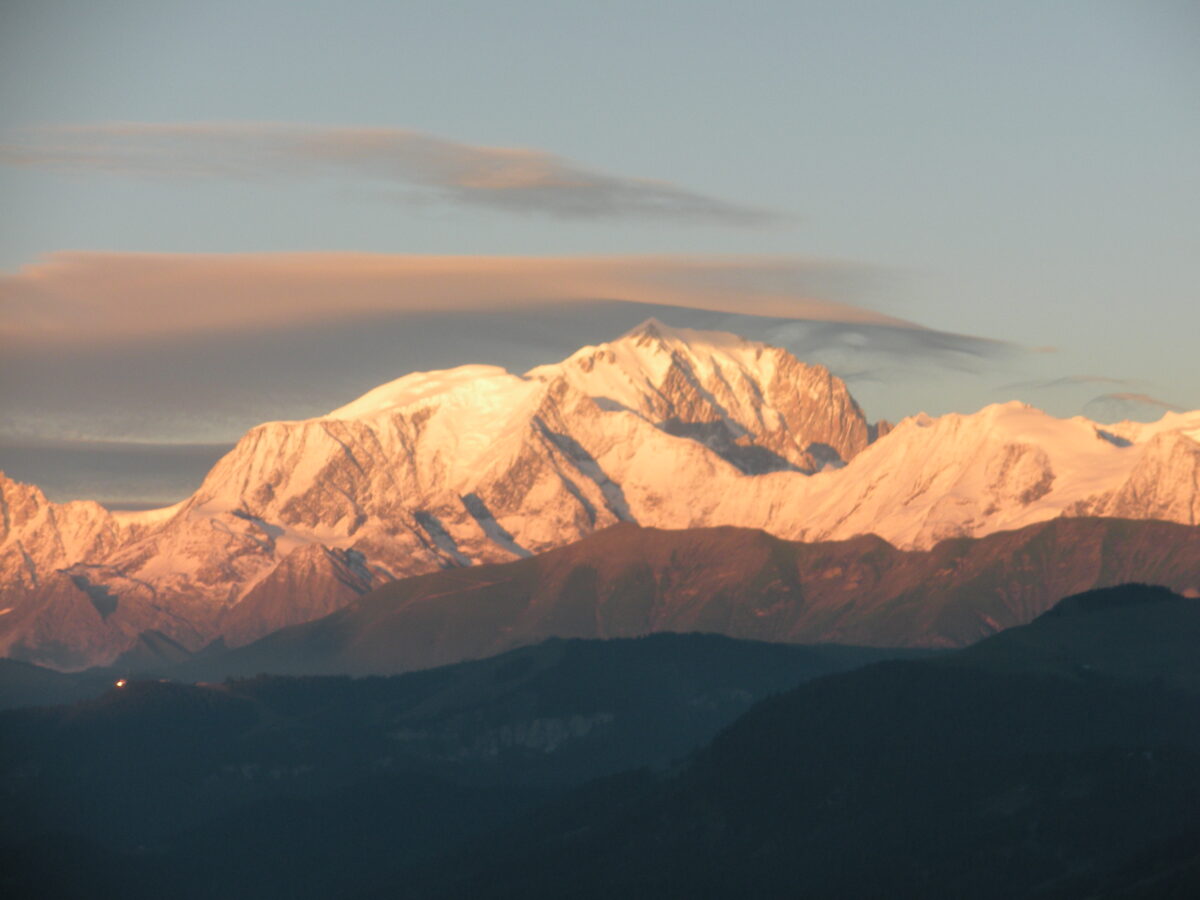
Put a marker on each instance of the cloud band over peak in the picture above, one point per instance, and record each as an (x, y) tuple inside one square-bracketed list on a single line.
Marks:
[(516, 180), (74, 297)]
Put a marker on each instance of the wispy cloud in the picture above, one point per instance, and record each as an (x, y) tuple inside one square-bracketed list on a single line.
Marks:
[(124, 473), (75, 298), (863, 352), (1066, 382), (1128, 405), (1133, 399), (519, 180)]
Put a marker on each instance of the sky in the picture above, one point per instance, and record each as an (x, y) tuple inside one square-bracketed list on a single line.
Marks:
[(222, 213)]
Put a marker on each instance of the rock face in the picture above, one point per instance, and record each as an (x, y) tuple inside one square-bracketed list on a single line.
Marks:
[(310, 582), (1165, 483), (38, 537), (662, 427)]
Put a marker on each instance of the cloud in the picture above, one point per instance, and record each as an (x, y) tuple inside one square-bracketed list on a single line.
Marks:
[(1136, 400), (519, 180), (1127, 405), (844, 346), (1066, 381), (122, 473), (108, 362), (79, 298), (125, 408)]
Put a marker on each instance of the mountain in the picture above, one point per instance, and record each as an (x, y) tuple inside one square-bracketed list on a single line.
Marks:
[(306, 787), (667, 428), (976, 775), (627, 581)]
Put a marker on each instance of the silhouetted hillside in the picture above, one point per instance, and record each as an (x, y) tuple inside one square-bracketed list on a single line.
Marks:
[(966, 776), (298, 783), (1136, 632), (1060, 760), (24, 684)]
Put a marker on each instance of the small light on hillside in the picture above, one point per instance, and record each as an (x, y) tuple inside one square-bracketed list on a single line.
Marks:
[(121, 682)]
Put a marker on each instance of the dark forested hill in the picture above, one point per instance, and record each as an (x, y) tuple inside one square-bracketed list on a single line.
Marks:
[(295, 787), (1059, 760)]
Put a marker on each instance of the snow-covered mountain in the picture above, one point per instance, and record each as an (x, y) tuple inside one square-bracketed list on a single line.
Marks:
[(665, 427)]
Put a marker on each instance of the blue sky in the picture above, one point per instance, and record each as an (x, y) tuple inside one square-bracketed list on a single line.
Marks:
[(1020, 172)]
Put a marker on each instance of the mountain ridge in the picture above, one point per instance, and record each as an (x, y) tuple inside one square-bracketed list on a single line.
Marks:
[(627, 581)]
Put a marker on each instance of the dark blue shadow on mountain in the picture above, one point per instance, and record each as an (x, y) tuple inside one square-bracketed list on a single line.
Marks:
[(497, 533), (104, 601), (585, 463), (440, 539)]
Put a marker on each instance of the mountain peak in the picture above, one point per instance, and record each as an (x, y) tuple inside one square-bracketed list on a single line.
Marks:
[(654, 332), (651, 328)]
